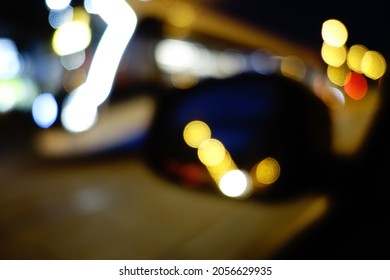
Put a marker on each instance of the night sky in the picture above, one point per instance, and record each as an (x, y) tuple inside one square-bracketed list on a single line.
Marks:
[(368, 24), (297, 21)]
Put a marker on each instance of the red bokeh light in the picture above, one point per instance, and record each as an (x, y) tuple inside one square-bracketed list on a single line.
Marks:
[(356, 86)]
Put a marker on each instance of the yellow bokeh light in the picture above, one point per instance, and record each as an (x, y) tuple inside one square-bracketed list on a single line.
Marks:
[(195, 133), (334, 33), (268, 171), (80, 14), (71, 37), (373, 65), (338, 75), (217, 171), (355, 56), (334, 56), (211, 152)]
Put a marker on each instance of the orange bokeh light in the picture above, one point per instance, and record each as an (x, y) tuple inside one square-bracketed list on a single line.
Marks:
[(356, 86)]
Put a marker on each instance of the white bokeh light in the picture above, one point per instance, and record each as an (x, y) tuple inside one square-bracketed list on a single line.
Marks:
[(57, 4), (78, 113), (45, 110), (235, 183), (81, 109)]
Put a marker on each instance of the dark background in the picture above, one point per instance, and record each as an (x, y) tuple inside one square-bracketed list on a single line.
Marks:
[(297, 21)]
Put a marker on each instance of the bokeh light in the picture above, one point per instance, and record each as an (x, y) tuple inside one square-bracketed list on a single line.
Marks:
[(293, 67), (74, 60), (226, 165), (57, 4), (334, 56), (91, 6), (176, 55), (80, 14), (17, 93), (268, 171), (8, 91), (80, 109), (71, 37), (231, 62), (236, 184), (45, 110), (10, 63), (338, 75), (78, 113), (195, 133), (211, 152), (355, 56), (264, 62), (60, 17), (373, 65), (334, 33), (356, 86)]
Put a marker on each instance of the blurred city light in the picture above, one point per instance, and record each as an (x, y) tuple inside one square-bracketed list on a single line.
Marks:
[(17, 89), (293, 68), (179, 56), (17, 93), (348, 68), (231, 62), (355, 56), (236, 184), (78, 113), (338, 75), (211, 152), (121, 22), (71, 37), (267, 171), (9, 57), (45, 110), (264, 62), (175, 56), (373, 65), (356, 86), (334, 33), (230, 180), (334, 56), (73, 61), (60, 17), (195, 133), (8, 93), (91, 6), (219, 170), (57, 4), (80, 14)]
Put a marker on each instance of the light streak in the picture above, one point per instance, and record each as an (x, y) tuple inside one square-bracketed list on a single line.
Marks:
[(121, 21)]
